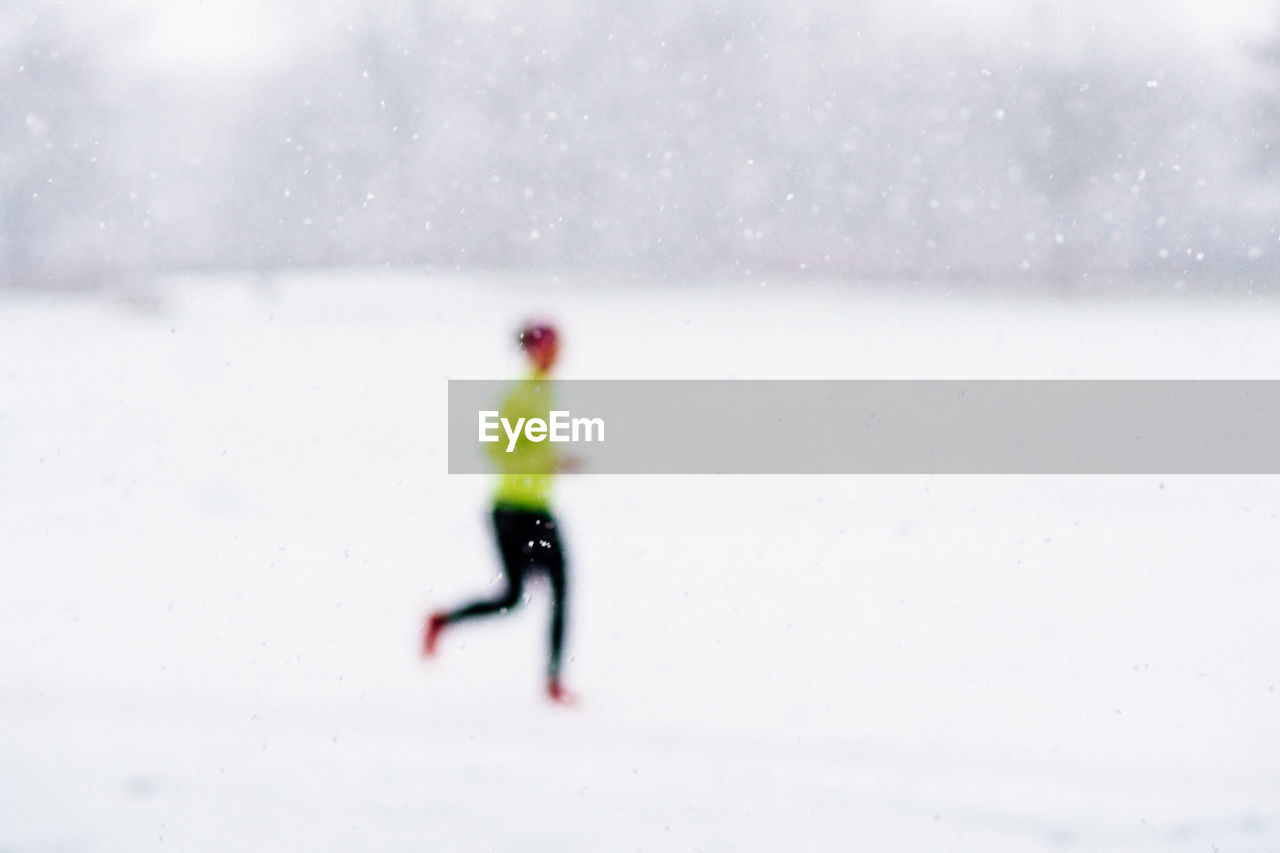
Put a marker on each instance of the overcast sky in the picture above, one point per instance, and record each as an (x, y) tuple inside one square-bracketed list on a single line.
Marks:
[(205, 33)]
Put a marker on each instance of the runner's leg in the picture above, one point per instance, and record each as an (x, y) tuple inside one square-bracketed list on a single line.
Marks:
[(513, 533)]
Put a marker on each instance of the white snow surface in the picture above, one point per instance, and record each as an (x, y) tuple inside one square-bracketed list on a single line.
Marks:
[(222, 520)]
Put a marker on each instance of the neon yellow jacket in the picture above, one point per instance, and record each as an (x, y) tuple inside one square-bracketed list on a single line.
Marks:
[(526, 473)]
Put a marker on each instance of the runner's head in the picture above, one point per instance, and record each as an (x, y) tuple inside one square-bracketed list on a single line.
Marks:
[(541, 345)]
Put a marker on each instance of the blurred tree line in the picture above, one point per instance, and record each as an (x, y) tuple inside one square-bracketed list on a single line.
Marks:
[(666, 138)]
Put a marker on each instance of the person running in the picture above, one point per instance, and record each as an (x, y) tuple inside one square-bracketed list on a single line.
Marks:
[(527, 533)]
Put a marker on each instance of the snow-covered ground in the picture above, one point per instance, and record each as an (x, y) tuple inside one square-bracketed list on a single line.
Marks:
[(222, 520)]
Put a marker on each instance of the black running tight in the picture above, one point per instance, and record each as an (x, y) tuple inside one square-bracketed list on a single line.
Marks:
[(528, 542)]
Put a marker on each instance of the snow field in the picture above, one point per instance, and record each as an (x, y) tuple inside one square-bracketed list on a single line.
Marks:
[(225, 519)]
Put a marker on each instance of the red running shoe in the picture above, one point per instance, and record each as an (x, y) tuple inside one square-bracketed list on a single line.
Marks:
[(558, 694), (431, 636)]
